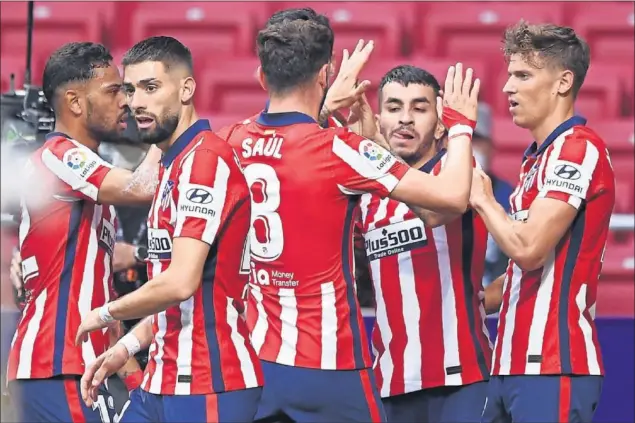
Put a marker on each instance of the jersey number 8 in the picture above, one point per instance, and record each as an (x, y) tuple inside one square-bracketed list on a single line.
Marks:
[(267, 239)]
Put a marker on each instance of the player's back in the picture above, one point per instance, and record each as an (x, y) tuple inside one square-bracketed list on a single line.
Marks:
[(304, 181), (66, 244)]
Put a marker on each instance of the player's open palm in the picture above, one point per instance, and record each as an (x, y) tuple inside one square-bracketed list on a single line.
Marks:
[(104, 366), (345, 89), (460, 92)]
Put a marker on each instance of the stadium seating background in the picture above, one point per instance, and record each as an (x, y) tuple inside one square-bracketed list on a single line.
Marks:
[(221, 36)]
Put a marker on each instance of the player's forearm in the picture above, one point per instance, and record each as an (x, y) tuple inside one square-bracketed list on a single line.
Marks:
[(143, 332), (506, 232), (158, 294), (494, 295), (433, 219), (455, 178), (142, 182)]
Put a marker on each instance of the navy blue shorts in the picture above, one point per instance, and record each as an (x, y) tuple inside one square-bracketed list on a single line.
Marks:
[(451, 404), (56, 399), (233, 406), (542, 399), (314, 395)]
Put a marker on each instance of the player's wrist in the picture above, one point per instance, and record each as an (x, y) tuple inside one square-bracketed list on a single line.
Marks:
[(104, 314), (457, 123), (131, 343)]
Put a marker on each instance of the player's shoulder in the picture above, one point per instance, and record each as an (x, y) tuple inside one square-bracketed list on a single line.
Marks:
[(212, 147), (59, 144), (232, 133), (582, 134)]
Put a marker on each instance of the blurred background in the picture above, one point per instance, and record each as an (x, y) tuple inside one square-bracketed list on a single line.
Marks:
[(430, 35)]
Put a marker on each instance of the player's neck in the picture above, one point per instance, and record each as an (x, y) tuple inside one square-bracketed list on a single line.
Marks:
[(188, 118), (428, 154), (294, 103), (78, 134), (553, 120)]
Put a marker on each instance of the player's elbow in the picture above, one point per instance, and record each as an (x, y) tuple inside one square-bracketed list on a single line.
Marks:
[(456, 203), (184, 291), (529, 259)]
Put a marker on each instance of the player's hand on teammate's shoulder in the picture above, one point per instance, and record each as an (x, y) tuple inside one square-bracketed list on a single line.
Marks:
[(481, 188), (345, 89), (104, 366), (460, 92)]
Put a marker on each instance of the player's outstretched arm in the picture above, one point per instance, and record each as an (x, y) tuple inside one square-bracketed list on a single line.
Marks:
[(529, 239), (449, 191), (114, 359), (122, 187), (494, 295)]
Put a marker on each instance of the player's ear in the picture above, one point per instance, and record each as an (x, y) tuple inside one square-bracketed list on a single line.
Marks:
[(565, 82), (188, 86), (261, 78), (323, 76), (73, 102)]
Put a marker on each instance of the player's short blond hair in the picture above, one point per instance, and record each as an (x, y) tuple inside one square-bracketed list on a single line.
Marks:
[(549, 45)]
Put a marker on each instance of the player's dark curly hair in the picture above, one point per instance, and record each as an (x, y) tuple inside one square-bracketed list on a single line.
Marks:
[(549, 45), (292, 52), (303, 14), (167, 50), (73, 62), (406, 75)]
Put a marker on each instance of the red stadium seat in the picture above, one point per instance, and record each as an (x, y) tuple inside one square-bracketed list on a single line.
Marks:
[(618, 258), (377, 67), (618, 134), (507, 166), (608, 28), (56, 23), (369, 21), (213, 31), (222, 120), (231, 86), (12, 65), (508, 137), (476, 29), (624, 196)]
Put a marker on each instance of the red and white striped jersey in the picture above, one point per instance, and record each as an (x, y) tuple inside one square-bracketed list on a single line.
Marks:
[(66, 242), (305, 183), (430, 321), (202, 345), (546, 323)]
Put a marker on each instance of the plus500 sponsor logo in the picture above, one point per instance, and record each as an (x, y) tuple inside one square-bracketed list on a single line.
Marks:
[(395, 239)]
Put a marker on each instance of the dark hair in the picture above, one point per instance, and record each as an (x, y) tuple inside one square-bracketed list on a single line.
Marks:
[(302, 14), (408, 74), (73, 62), (292, 52), (167, 50), (552, 45)]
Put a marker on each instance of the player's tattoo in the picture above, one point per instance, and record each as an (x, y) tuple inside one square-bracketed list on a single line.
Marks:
[(324, 114)]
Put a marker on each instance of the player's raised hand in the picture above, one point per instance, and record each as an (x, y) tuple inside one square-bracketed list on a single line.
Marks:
[(460, 92), (104, 366), (346, 88)]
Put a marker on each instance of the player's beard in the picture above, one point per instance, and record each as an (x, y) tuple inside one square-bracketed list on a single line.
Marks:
[(99, 130), (163, 129)]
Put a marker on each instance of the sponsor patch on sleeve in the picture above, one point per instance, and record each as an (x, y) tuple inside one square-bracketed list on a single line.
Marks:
[(376, 155), (567, 177), (199, 201), (81, 161)]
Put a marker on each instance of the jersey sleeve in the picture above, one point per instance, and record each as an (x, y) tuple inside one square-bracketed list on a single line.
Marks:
[(569, 171), (364, 166), (202, 189), (79, 168)]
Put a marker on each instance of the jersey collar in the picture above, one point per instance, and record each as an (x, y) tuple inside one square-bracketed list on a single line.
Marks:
[(533, 149), (183, 140), (56, 134), (283, 119), (429, 165)]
